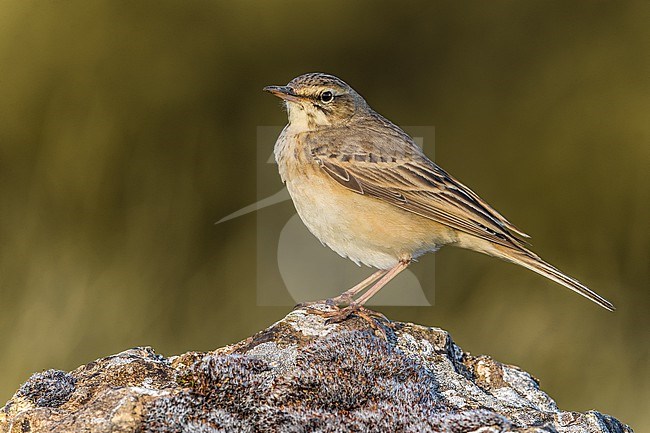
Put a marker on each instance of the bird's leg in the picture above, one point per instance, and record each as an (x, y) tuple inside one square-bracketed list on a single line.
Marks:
[(392, 273), (348, 295), (345, 297), (357, 306)]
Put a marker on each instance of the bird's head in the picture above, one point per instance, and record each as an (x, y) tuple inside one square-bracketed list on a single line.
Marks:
[(319, 100)]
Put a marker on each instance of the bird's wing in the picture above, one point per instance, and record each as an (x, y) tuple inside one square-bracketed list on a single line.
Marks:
[(418, 185)]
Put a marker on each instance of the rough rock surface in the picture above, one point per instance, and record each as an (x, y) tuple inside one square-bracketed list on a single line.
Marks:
[(299, 375)]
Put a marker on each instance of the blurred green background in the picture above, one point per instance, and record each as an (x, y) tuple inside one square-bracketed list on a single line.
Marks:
[(128, 128)]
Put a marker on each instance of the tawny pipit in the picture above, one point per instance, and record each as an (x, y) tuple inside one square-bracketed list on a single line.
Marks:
[(365, 189)]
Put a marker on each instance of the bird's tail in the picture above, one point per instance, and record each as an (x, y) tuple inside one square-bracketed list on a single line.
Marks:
[(528, 259)]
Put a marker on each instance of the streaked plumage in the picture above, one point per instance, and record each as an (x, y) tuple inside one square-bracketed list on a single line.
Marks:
[(364, 188)]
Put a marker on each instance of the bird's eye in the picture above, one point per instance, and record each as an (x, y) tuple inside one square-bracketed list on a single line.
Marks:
[(326, 97)]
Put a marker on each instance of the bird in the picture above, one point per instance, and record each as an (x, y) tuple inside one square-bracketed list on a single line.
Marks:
[(366, 190)]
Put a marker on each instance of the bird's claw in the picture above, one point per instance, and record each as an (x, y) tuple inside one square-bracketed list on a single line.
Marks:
[(339, 315), (308, 305)]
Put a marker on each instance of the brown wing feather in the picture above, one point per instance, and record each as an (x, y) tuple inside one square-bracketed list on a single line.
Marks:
[(425, 190), (378, 159)]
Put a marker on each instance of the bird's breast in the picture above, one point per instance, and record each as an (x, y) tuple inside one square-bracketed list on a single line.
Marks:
[(365, 229)]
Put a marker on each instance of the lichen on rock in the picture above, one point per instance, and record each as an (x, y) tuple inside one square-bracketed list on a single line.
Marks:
[(50, 388), (301, 374)]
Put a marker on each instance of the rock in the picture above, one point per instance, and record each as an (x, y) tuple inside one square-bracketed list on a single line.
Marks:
[(299, 375)]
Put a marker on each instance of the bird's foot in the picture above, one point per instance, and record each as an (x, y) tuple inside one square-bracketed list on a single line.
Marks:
[(339, 314), (342, 299), (337, 303), (309, 305)]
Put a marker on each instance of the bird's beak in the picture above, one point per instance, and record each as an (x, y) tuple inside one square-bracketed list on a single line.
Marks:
[(283, 92)]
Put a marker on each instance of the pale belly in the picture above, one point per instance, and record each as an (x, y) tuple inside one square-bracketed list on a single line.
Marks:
[(361, 228)]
